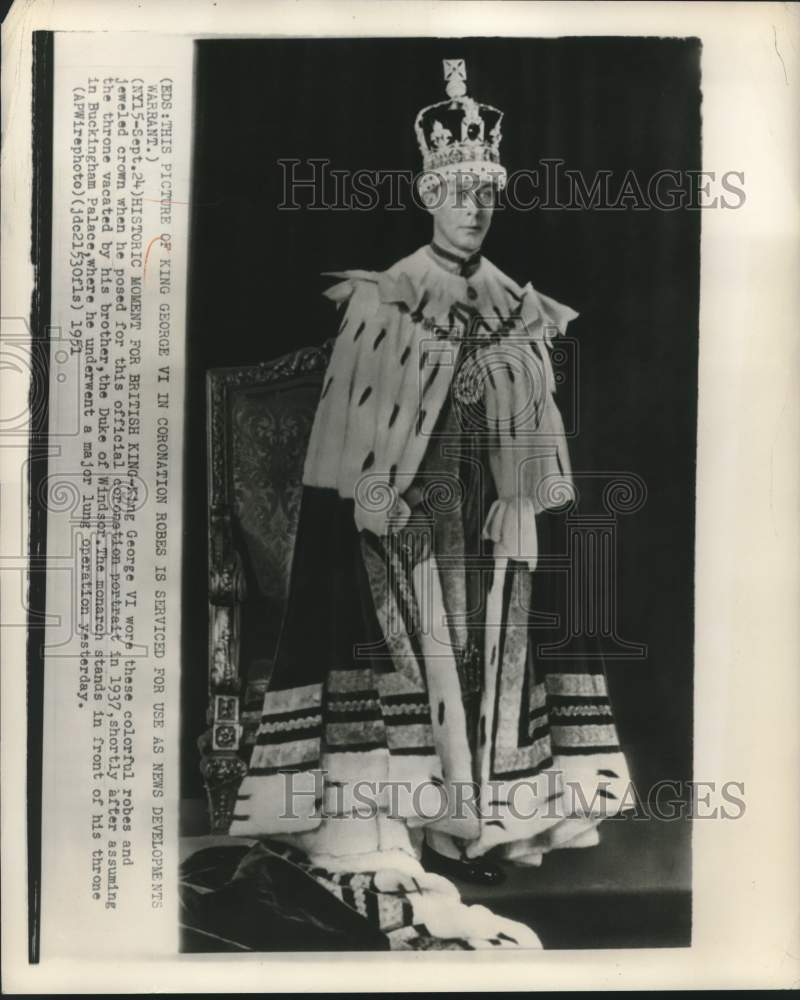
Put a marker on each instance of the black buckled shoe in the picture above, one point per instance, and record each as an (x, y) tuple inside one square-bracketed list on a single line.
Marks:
[(478, 870)]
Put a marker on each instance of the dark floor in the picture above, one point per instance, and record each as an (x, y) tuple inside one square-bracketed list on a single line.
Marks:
[(631, 891)]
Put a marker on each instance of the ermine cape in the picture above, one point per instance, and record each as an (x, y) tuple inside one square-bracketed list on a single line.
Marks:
[(390, 373)]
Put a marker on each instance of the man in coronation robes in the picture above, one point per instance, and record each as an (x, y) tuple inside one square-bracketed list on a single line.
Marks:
[(408, 659)]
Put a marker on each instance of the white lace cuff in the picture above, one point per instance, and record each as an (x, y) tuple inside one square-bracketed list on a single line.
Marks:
[(385, 516), (511, 525)]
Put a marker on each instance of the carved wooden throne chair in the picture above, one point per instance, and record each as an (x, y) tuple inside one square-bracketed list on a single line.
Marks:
[(259, 419)]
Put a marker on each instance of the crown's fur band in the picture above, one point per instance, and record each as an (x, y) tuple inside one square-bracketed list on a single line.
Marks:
[(483, 170)]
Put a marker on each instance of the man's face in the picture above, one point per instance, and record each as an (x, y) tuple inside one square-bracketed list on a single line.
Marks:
[(462, 209)]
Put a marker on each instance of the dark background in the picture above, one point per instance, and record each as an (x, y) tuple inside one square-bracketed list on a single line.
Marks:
[(255, 285)]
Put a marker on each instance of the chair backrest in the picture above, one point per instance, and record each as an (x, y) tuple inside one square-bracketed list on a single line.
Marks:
[(259, 420)]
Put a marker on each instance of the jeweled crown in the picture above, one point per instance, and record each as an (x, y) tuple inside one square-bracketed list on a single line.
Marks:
[(459, 134)]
